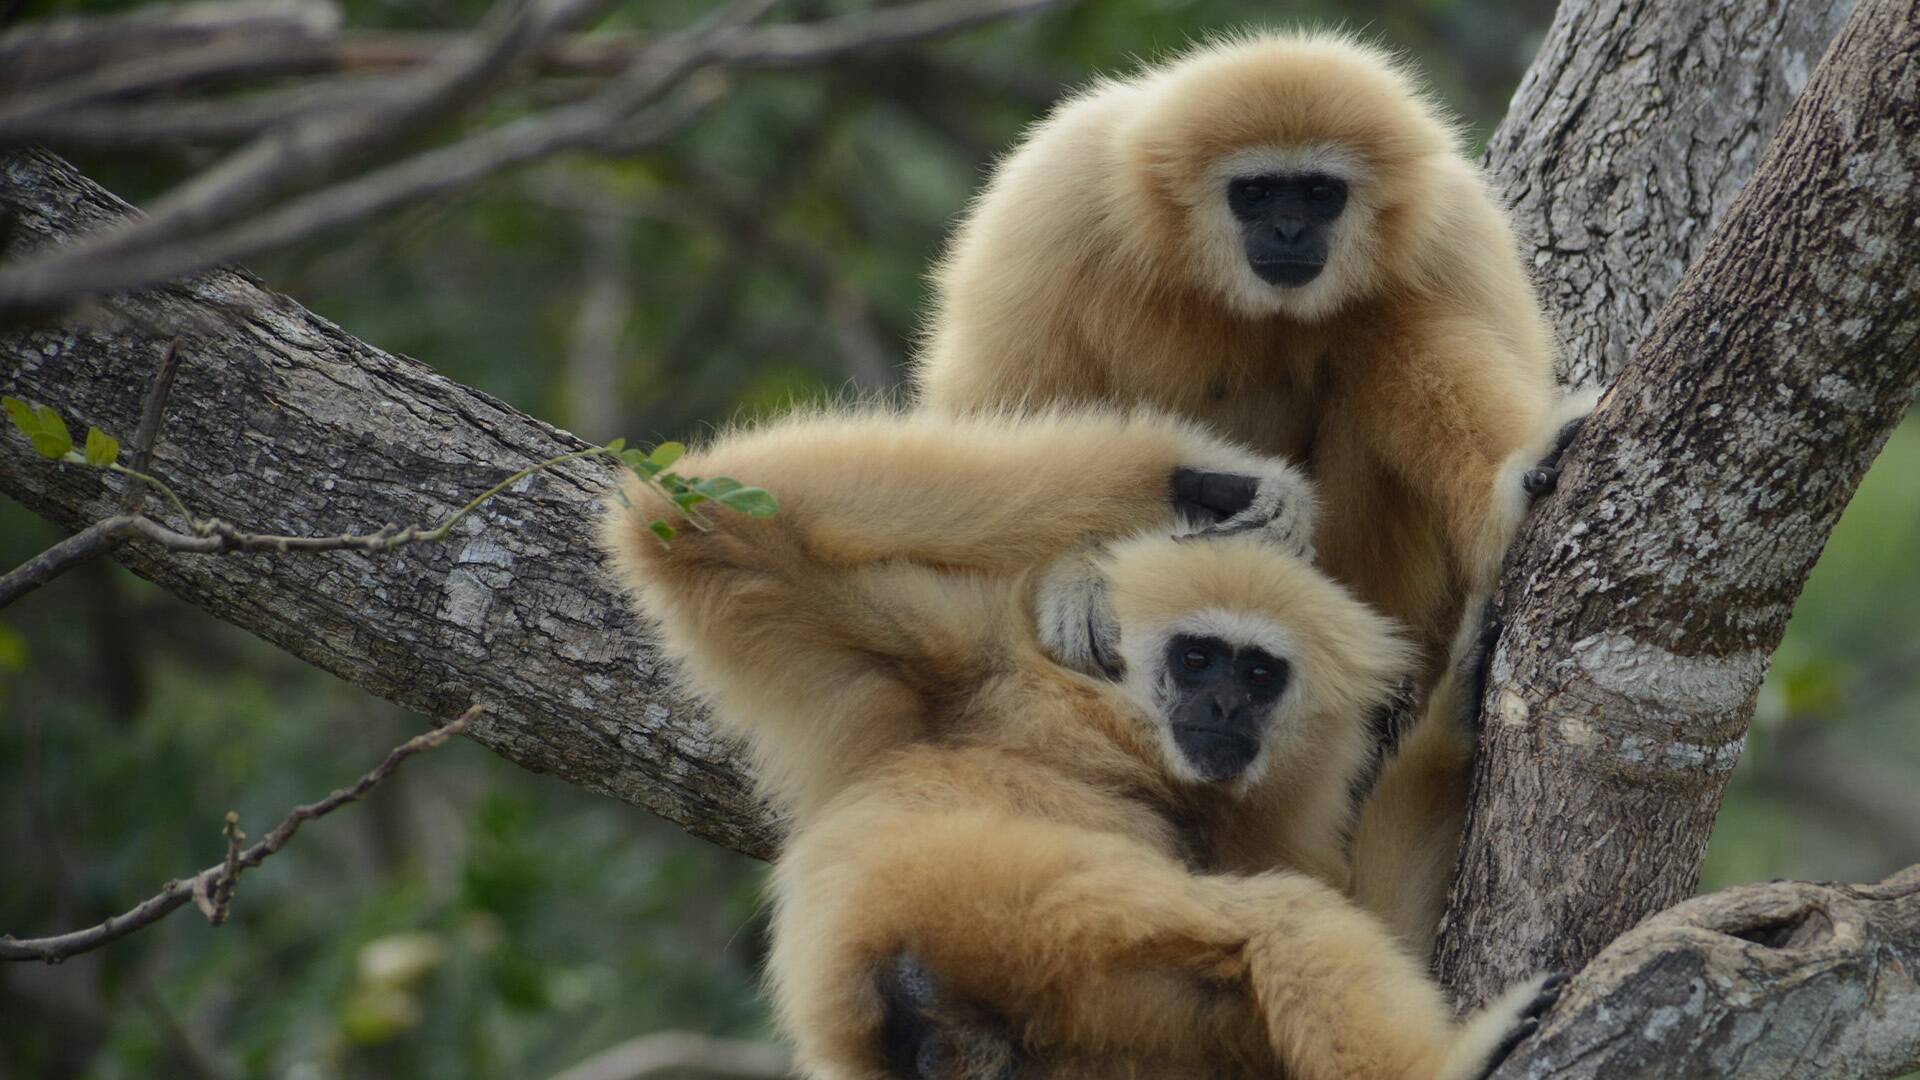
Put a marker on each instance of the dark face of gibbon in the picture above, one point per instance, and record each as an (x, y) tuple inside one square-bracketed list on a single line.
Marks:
[(1221, 700), (1286, 223)]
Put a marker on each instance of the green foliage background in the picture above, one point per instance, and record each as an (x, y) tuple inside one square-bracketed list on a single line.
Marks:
[(474, 920)]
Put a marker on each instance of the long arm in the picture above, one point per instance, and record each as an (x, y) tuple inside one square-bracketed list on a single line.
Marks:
[(886, 587)]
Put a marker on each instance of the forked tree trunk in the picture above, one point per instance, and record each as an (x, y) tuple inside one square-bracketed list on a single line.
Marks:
[(1644, 599)]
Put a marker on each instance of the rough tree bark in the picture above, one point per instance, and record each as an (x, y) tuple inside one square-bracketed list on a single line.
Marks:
[(1761, 982), (1642, 602)]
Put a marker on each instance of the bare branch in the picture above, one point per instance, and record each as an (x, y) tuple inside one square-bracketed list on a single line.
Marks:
[(89, 543), (217, 881), (204, 223), (40, 53), (684, 1051)]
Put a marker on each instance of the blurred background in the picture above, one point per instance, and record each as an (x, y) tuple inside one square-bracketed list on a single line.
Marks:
[(474, 920)]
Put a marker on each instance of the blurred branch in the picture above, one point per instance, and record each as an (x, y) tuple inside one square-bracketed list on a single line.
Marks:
[(213, 886), (317, 134), (39, 53), (663, 1051)]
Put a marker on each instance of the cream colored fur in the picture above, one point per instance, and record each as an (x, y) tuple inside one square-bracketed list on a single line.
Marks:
[(1016, 827), (1412, 378)]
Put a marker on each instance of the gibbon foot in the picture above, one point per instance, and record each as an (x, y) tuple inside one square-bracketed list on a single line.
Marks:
[(1539, 481), (1277, 503), (1073, 613), (925, 1036), (1527, 1021)]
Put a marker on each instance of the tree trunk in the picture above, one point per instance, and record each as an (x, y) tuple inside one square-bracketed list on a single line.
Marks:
[(1643, 601), (1630, 135)]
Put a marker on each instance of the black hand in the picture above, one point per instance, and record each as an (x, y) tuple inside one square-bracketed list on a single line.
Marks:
[(1211, 497)]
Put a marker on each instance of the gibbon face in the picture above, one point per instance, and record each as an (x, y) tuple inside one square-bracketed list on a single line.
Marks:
[(1298, 172), (1218, 695)]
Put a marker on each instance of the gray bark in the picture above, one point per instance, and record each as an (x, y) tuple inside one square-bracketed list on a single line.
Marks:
[(280, 421), (1630, 134), (1762, 982), (1642, 602)]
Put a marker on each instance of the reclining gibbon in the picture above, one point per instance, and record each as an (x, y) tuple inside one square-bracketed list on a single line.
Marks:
[(1003, 868), (1278, 236)]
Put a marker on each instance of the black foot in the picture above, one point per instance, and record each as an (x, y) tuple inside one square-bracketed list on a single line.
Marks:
[(1541, 1005), (924, 1035), (1540, 480)]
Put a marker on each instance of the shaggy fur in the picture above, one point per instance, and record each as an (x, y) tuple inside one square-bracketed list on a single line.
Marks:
[(995, 868), (1412, 378)]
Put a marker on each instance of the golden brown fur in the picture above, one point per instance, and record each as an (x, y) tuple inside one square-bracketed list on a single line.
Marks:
[(1412, 377), (965, 807)]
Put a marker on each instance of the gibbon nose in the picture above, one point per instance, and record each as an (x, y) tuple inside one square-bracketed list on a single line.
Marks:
[(1289, 230)]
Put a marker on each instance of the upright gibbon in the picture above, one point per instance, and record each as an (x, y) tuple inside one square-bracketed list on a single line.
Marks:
[(1000, 867), (1278, 235)]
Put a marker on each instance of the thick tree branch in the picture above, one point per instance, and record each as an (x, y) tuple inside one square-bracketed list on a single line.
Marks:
[(281, 419), (1762, 982), (1643, 601), (212, 888)]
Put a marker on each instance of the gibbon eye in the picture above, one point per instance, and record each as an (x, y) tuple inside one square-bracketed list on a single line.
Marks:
[(1320, 191), (1260, 676), (1195, 660)]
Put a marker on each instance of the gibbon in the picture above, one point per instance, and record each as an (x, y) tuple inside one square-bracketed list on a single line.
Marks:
[(1000, 867), (1277, 235)]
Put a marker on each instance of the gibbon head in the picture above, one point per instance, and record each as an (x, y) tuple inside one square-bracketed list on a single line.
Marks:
[(1243, 658), (1290, 173)]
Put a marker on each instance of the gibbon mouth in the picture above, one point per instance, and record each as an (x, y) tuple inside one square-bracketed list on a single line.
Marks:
[(1286, 273), (1214, 753)]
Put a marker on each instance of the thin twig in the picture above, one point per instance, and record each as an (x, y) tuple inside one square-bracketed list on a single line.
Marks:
[(89, 543), (147, 435), (218, 879)]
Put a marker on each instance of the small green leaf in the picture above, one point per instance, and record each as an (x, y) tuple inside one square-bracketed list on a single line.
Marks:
[(102, 448), (22, 415), (664, 531), (718, 486), (666, 454), (751, 501), (53, 431), (678, 484), (637, 461), (615, 446), (686, 500), (42, 427)]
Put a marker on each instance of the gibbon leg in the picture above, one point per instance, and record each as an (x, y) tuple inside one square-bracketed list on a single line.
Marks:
[(1082, 946)]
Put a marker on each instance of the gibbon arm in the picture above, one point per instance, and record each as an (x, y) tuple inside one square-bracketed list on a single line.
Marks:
[(1457, 417), (885, 586)]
